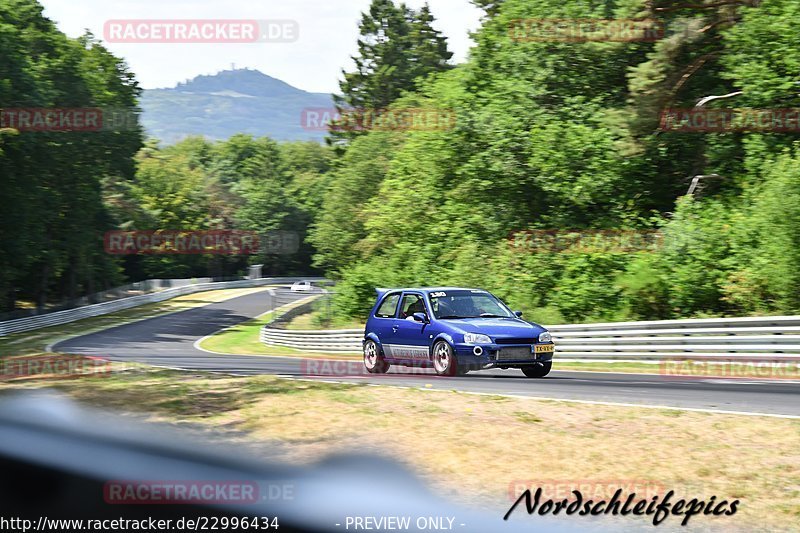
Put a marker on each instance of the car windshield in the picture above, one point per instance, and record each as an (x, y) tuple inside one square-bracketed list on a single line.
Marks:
[(467, 304)]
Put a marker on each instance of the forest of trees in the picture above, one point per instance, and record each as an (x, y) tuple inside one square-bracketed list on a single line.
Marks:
[(564, 135), (549, 135), (52, 206), (63, 190)]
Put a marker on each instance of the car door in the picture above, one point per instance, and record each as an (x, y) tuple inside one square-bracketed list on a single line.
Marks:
[(382, 323), (410, 342)]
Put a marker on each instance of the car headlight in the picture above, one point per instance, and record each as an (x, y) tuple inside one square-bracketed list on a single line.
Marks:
[(545, 337), (476, 338)]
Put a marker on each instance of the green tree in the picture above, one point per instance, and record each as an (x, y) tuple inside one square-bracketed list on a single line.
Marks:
[(397, 46), (564, 136), (53, 212), (339, 225)]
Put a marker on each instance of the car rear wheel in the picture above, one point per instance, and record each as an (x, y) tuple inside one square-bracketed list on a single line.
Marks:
[(373, 358), (538, 370), (445, 362)]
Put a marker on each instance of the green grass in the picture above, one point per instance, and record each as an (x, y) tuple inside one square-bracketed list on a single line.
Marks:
[(316, 320), (243, 339), (527, 418)]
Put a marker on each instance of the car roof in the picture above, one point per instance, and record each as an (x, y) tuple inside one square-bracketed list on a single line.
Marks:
[(382, 291)]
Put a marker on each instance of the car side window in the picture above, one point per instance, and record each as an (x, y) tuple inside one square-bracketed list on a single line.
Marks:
[(412, 303), (389, 306)]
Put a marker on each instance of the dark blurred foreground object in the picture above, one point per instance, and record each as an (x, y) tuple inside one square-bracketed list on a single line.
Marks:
[(56, 458)]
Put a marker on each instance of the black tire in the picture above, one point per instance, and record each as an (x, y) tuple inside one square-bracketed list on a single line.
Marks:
[(445, 362), (538, 370), (373, 358)]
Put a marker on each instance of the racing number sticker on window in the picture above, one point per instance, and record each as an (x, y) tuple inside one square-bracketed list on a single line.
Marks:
[(438, 294)]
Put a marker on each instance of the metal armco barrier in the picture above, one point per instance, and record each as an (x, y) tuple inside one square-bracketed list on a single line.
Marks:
[(776, 337), (63, 317)]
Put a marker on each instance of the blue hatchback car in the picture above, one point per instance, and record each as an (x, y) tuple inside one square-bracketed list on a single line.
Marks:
[(453, 330)]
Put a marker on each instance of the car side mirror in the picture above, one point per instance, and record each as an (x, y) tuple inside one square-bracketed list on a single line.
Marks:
[(518, 313), (421, 317)]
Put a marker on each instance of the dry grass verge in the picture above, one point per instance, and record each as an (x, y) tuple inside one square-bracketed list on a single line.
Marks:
[(478, 449)]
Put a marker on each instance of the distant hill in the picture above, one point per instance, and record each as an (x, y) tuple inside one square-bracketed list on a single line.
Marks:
[(233, 101)]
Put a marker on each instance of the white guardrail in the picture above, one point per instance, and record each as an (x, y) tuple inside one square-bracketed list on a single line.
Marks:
[(70, 315), (774, 337)]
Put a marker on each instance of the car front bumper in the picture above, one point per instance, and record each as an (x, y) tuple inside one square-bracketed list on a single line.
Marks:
[(516, 355)]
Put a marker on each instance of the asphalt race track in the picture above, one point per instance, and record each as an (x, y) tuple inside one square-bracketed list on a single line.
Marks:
[(169, 341)]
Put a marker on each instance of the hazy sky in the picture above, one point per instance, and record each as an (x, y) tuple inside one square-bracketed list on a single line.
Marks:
[(328, 32)]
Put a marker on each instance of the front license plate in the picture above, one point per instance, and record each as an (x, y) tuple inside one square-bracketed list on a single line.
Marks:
[(543, 348)]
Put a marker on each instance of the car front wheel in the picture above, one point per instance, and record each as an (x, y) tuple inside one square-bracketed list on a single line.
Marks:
[(373, 358), (539, 370), (445, 362)]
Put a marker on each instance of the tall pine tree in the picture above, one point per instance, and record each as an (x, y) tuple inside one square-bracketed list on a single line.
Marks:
[(397, 45)]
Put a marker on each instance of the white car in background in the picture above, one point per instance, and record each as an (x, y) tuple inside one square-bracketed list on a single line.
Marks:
[(302, 286)]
